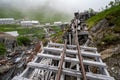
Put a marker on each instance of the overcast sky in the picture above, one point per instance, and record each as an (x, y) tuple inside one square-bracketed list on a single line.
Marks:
[(61, 5)]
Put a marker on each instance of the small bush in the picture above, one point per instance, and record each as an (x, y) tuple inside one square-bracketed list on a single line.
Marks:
[(23, 41), (116, 29), (112, 15), (2, 49), (110, 38)]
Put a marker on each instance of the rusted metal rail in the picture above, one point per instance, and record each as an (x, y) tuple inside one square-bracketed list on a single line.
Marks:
[(59, 72), (80, 56)]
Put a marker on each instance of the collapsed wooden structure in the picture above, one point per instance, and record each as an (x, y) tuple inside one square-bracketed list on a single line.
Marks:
[(46, 64)]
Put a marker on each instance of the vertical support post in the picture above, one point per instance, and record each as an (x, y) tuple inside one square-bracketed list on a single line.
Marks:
[(70, 42), (63, 76), (78, 78), (103, 70)]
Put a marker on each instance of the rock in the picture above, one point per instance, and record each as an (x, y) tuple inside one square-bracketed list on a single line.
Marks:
[(101, 24), (112, 68), (4, 68), (106, 53), (111, 51), (113, 65)]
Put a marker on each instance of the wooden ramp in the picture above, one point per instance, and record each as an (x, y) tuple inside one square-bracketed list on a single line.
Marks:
[(46, 65)]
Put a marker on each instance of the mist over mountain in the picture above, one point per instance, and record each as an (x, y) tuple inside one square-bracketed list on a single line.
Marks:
[(47, 10), (66, 6), (38, 11)]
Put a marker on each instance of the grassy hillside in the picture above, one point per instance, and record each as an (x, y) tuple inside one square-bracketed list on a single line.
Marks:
[(42, 14), (112, 15), (10, 12)]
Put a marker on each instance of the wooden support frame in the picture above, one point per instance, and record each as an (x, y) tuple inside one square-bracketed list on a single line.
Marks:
[(75, 73), (65, 71), (72, 46), (67, 59), (84, 53)]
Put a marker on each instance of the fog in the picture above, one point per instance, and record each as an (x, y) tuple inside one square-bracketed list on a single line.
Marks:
[(68, 6)]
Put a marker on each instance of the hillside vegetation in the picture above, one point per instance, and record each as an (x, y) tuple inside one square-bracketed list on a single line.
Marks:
[(112, 15), (105, 27), (105, 31)]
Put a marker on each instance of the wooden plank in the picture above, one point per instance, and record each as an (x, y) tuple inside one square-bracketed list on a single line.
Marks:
[(20, 78), (67, 59), (63, 76), (78, 67), (104, 71), (73, 46), (71, 72), (24, 72), (84, 53)]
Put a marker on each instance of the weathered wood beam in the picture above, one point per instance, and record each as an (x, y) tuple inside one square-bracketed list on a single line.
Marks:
[(73, 46), (20, 78), (78, 67), (104, 70), (67, 59), (84, 53), (71, 72)]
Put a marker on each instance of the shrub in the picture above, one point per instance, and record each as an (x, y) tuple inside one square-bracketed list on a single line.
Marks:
[(2, 49), (110, 38), (23, 41), (116, 29)]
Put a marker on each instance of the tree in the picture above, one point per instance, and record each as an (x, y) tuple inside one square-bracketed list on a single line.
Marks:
[(23, 41), (117, 2), (111, 3), (106, 7), (2, 49), (91, 10), (102, 9)]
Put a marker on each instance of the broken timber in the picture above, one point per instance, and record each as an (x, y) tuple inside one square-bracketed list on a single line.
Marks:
[(45, 65)]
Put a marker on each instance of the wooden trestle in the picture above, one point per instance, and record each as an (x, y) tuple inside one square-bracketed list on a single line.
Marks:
[(45, 65)]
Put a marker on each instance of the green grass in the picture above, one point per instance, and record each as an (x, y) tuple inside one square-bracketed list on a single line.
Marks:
[(57, 37), (113, 14), (23, 40), (5, 28), (10, 13), (2, 49), (110, 38), (36, 32), (21, 30), (56, 28)]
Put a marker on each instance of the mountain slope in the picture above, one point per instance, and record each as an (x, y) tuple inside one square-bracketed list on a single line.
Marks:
[(43, 14), (112, 15), (105, 30)]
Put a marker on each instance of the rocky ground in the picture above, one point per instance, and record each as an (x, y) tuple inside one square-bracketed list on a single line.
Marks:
[(108, 43), (113, 64), (15, 62)]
